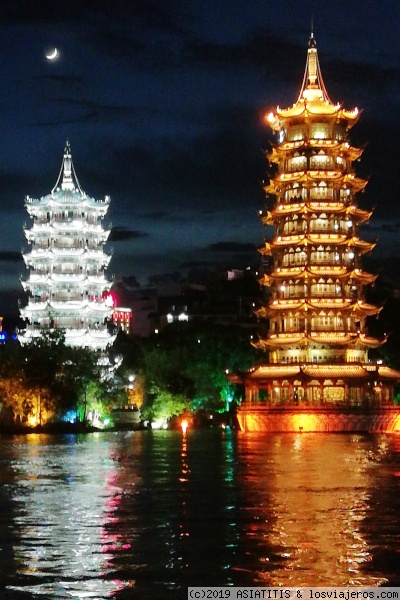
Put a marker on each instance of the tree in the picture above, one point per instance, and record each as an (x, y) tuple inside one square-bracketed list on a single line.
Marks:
[(164, 406), (191, 359)]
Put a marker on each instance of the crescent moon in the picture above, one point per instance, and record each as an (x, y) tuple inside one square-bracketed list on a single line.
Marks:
[(51, 55)]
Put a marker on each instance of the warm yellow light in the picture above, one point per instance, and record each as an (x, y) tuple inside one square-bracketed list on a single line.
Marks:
[(184, 426), (32, 421), (271, 118)]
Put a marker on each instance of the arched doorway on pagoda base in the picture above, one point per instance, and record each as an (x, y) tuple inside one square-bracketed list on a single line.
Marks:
[(322, 393)]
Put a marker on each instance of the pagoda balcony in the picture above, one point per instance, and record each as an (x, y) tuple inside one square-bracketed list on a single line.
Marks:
[(35, 305), (325, 143), (38, 253), (98, 251), (327, 237), (98, 305), (63, 251), (293, 230), (38, 277), (327, 205), (329, 330), (324, 174), (287, 240), (66, 277), (69, 305), (58, 270), (97, 279), (37, 228), (72, 225), (329, 262), (341, 230)]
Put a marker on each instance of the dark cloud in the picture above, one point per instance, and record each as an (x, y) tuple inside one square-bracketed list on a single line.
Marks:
[(232, 247), (197, 264), (123, 234), (260, 48), (148, 14), (223, 166), (383, 227), (92, 112), (156, 216), (67, 80), (10, 256)]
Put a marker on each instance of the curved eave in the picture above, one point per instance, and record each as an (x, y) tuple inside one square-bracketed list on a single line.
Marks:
[(64, 200), (328, 271), (285, 148), (265, 343), (268, 372), (262, 313), (265, 280), (331, 339), (314, 238), (367, 310), (361, 245), (363, 277), (356, 183), (316, 372), (270, 188), (322, 338), (278, 305), (320, 239), (359, 214), (328, 207), (283, 210), (369, 342), (344, 305), (305, 109), (350, 151), (388, 373), (302, 272), (317, 107), (342, 371), (265, 250)]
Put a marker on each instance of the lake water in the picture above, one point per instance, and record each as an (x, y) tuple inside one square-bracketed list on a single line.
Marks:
[(146, 514)]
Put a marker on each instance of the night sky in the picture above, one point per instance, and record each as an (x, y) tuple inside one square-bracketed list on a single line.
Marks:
[(163, 101)]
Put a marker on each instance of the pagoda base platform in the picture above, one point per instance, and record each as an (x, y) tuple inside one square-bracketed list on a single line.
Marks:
[(322, 420)]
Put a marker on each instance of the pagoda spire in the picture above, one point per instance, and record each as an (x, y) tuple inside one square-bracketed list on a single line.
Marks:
[(67, 179), (313, 86)]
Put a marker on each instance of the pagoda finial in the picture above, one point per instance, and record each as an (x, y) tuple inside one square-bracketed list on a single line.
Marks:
[(67, 179), (313, 87)]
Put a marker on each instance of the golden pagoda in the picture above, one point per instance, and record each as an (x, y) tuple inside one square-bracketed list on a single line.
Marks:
[(318, 377)]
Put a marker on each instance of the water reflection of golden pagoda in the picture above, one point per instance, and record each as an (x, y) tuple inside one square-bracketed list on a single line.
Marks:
[(317, 340)]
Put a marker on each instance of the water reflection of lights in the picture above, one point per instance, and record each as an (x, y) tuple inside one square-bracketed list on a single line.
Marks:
[(308, 512), (184, 480), (64, 507)]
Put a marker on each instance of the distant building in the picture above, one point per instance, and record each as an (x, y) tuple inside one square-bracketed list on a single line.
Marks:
[(142, 303), (318, 376), (67, 264), (122, 319), (224, 297)]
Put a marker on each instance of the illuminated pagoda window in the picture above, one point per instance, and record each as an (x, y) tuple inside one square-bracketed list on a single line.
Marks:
[(317, 340), (67, 282)]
